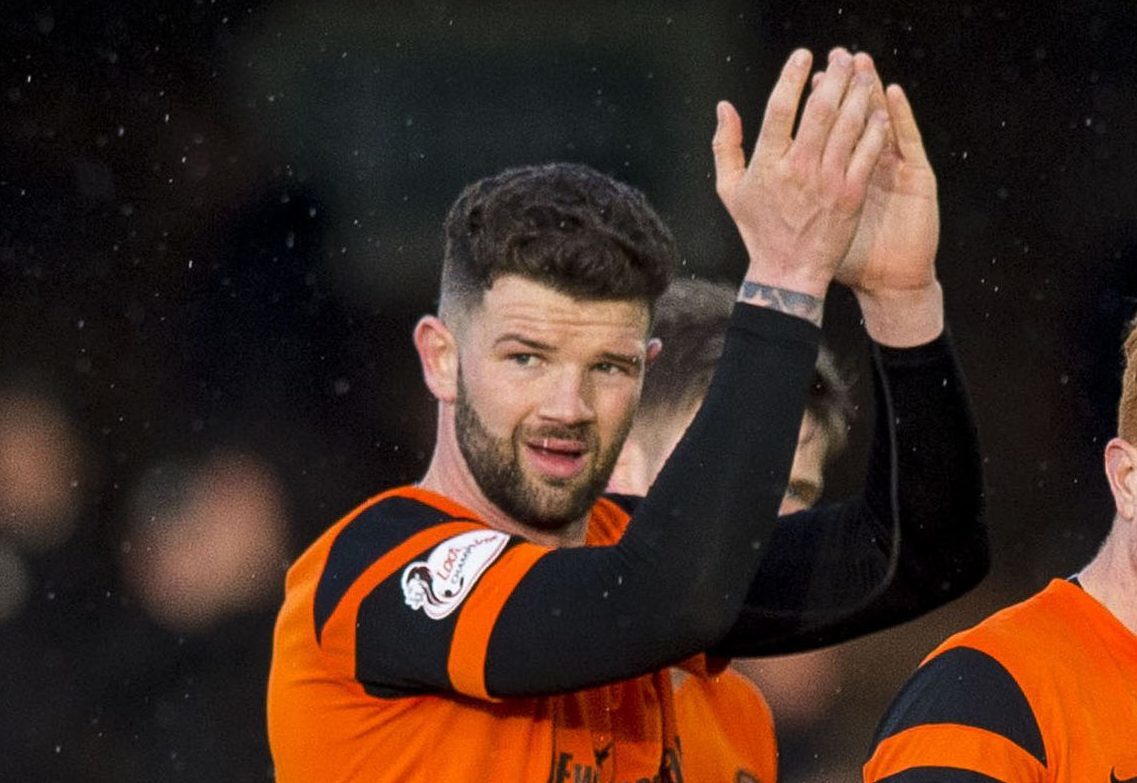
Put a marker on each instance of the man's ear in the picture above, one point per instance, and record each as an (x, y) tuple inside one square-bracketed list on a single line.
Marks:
[(654, 346), (1121, 470), (438, 352)]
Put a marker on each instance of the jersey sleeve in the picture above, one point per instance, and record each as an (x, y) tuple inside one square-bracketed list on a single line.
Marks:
[(961, 718), (396, 602), (913, 540), (427, 627), (529, 620)]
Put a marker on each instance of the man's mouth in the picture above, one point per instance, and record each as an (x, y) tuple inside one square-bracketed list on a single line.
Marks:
[(557, 458)]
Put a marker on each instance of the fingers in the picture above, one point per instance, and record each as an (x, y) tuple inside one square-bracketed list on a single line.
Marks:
[(849, 125), (823, 106), (848, 120), (730, 162), (778, 122), (863, 63), (907, 133), (878, 102), (866, 154)]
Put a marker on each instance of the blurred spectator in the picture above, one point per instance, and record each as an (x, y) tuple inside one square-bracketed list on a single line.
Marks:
[(40, 463), (53, 585), (203, 555), (206, 542)]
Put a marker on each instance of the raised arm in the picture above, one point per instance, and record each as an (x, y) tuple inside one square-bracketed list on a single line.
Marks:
[(913, 540), (916, 537)]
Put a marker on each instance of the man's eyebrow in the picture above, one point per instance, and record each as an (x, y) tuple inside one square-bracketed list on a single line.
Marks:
[(621, 358), (528, 342), (608, 356)]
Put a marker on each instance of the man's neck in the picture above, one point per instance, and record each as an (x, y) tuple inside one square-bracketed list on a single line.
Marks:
[(1111, 578)]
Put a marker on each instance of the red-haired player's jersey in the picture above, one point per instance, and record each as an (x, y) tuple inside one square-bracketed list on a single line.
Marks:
[(725, 726), (438, 577), (1042, 691)]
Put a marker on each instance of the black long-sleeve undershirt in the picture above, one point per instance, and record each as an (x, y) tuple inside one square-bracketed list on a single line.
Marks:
[(914, 540)]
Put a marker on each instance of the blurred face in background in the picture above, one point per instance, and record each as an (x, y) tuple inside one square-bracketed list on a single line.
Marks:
[(41, 471), (208, 541), (799, 687)]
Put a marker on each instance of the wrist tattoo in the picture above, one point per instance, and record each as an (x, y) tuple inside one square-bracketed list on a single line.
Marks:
[(783, 300)]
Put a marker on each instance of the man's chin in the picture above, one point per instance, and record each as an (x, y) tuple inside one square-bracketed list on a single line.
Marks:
[(565, 505)]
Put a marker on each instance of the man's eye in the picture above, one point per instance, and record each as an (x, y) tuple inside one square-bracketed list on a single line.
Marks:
[(523, 359), (609, 368)]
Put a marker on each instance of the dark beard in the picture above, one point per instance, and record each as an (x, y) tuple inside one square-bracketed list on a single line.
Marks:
[(495, 465)]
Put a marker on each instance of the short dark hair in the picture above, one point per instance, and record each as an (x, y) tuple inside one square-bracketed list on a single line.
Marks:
[(691, 319), (830, 401), (1127, 405), (563, 225)]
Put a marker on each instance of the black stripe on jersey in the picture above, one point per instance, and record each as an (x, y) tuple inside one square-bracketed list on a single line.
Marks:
[(939, 775), (364, 540), (399, 651), (967, 687)]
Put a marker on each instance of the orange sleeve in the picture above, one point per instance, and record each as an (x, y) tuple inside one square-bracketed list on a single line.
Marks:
[(952, 746), (963, 709)]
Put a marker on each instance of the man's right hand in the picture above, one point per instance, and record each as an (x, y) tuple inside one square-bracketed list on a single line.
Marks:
[(797, 203)]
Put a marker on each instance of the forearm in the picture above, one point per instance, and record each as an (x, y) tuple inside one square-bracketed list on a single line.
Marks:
[(842, 571), (943, 546)]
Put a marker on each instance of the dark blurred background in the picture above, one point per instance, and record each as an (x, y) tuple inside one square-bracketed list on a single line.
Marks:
[(219, 222)]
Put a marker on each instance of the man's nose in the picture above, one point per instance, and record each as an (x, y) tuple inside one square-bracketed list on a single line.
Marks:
[(568, 398)]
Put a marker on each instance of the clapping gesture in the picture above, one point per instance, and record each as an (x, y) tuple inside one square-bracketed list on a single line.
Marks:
[(797, 203), (849, 196)]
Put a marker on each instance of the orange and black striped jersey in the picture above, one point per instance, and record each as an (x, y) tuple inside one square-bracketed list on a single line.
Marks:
[(726, 727), (364, 619), (1042, 691)]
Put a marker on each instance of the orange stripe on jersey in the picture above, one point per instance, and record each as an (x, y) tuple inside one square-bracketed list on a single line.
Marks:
[(956, 746), (338, 638), (467, 662), (607, 524)]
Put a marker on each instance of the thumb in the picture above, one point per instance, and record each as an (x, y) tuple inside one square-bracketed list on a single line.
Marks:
[(730, 161)]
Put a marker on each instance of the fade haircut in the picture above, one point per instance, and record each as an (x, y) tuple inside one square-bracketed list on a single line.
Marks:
[(1127, 408), (564, 225), (691, 320)]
